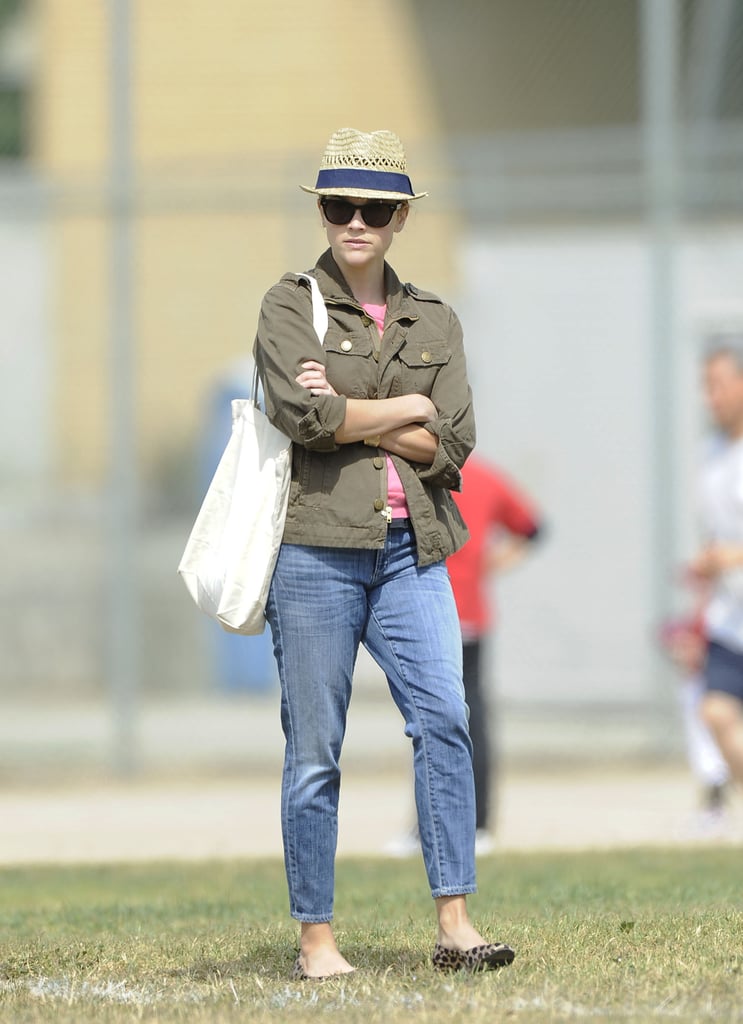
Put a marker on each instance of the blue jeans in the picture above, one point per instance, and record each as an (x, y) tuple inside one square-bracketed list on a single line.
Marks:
[(323, 603)]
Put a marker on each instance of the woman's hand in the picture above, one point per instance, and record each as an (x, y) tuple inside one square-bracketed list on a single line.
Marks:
[(313, 378)]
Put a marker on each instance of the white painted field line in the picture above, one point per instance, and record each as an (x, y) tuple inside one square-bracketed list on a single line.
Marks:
[(71, 990)]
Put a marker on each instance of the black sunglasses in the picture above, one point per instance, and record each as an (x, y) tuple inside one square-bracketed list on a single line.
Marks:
[(374, 215)]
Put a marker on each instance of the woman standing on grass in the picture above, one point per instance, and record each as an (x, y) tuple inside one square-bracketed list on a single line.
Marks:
[(381, 423)]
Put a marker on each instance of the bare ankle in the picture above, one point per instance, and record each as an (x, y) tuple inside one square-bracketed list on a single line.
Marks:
[(456, 931), (317, 935), (320, 956), (452, 912)]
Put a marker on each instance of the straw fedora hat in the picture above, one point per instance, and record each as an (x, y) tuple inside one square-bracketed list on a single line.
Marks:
[(370, 165)]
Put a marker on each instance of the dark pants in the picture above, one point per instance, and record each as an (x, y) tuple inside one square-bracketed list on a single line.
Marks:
[(483, 760), (723, 671)]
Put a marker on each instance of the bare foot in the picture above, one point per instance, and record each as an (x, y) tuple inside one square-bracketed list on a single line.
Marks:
[(325, 964), (462, 937), (319, 954)]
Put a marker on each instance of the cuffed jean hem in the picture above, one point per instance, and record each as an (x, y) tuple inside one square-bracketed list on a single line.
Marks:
[(312, 918), (463, 890)]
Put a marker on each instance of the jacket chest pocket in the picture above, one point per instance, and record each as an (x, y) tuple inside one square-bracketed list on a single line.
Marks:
[(420, 362), (350, 363)]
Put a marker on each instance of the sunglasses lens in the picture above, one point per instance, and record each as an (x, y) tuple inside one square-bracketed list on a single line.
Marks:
[(375, 215), (338, 211)]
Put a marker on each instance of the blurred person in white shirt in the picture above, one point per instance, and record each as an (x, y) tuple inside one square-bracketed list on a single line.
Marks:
[(720, 560), (684, 640)]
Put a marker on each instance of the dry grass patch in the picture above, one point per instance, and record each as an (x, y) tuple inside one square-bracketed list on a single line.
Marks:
[(635, 936)]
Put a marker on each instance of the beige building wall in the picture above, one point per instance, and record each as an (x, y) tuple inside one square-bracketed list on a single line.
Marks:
[(233, 103)]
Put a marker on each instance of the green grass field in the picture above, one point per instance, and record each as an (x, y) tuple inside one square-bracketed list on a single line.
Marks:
[(632, 936)]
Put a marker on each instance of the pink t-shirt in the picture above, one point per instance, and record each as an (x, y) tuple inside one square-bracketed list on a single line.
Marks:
[(395, 490)]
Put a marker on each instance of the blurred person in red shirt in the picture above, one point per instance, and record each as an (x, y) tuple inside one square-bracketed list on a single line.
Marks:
[(502, 522)]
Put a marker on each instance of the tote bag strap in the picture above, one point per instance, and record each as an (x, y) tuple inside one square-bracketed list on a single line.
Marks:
[(319, 309), (319, 322)]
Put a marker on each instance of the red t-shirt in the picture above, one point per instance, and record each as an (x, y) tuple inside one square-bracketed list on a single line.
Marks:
[(488, 501)]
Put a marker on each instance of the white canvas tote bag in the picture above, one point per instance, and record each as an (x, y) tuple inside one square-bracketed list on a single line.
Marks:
[(230, 555)]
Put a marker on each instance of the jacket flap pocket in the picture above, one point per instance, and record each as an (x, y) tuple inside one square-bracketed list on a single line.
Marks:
[(425, 353)]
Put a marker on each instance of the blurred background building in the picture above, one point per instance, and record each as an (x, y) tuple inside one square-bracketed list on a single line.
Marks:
[(585, 165)]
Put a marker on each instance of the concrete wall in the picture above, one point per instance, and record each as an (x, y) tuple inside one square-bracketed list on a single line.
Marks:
[(557, 328)]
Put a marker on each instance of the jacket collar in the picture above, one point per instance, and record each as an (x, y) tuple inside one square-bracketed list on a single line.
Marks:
[(335, 288)]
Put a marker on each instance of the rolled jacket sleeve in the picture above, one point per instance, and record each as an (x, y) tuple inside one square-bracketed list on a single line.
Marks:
[(446, 468), (455, 424), (286, 339)]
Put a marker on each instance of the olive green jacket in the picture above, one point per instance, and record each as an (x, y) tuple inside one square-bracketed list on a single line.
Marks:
[(338, 493)]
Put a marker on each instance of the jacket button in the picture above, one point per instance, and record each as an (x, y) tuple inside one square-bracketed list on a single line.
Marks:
[(378, 462), (378, 504), (426, 357), (346, 345)]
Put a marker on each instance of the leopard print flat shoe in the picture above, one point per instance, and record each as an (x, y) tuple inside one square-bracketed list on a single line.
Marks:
[(444, 959), (487, 957), (298, 972)]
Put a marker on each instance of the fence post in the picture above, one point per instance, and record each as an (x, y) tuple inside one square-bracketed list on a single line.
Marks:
[(660, 32), (123, 649)]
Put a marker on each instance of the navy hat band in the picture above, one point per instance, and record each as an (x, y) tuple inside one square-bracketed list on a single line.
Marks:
[(356, 177)]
